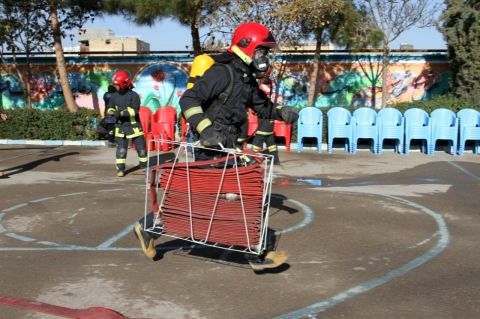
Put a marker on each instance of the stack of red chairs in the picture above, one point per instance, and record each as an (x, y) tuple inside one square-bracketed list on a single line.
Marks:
[(146, 120), (282, 129), (252, 122), (163, 127), (191, 208)]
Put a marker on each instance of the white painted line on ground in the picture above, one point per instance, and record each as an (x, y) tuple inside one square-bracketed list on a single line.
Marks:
[(441, 244)]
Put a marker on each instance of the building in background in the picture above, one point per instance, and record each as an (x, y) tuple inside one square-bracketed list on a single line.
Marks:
[(105, 40)]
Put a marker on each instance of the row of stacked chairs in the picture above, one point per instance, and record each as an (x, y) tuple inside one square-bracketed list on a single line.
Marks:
[(363, 123), (391, 124), (158, 127)]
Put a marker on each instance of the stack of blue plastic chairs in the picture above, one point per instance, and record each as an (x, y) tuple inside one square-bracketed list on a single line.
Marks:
[(444, 127), (340, 125), (365, 126), (310, 124), (417, 127), (469, 129), (391, 125)]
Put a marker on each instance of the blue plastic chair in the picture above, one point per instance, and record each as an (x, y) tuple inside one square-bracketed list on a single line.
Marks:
[(365, 126), (417, 127), (469, 129), (391, 125), (444, 127), (340, 125), (310, 122)]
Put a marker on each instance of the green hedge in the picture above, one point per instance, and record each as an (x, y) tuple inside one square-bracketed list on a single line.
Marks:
[(63, 125), (49, 124)]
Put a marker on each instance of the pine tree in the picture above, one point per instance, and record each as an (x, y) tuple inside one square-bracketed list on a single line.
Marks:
[(461, 29)]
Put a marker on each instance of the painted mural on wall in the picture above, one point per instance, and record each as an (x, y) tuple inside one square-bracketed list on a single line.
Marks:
[(162, 83), (342, 85), (11, 92)]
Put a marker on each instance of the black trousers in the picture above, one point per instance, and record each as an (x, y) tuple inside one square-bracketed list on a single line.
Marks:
[(122, 149)]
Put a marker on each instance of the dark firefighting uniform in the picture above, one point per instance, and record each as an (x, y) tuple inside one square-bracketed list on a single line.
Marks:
[(125, 104), (264, 134), (201, 108)]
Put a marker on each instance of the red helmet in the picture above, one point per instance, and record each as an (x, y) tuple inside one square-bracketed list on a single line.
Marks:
[(122, 80), (248, 37)]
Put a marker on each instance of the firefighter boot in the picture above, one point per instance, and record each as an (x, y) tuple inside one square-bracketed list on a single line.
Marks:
[(271, 260), (276, 159), (146, 241)]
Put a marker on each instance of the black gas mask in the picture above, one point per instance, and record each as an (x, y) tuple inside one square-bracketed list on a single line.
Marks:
[(260, 61)]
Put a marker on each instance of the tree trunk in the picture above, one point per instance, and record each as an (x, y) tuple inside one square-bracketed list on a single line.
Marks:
[(386, 53), (62, 70), (197, 48), (312, 88), (194, 24)]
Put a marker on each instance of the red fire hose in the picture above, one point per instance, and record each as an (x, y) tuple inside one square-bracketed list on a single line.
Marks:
[(215, 201)]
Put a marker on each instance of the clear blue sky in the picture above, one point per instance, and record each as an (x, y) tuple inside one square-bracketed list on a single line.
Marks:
[(170, 35)]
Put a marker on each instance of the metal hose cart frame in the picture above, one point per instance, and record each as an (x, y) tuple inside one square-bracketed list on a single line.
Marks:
[(222, 203)]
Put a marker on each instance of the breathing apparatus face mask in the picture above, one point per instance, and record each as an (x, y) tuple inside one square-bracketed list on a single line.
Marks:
[(260, 61)]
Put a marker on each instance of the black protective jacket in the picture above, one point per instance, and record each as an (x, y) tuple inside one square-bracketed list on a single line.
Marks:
[(207, 89), (125, 104)]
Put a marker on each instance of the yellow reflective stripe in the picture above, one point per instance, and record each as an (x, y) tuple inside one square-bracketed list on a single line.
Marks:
[(120, 161), (131, 111), (263, 133), (142, 159), (203, 124), (256, 148), (240, 140), (136, 132), (245, 58), (111, 109), (192, 111), (278, 107), (272, 148), (117, 132)]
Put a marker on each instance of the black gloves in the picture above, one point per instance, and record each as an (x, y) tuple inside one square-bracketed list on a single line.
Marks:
[(211, 137), (288, 114)]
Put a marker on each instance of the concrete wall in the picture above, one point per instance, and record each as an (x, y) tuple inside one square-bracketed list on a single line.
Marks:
[(344, 79)]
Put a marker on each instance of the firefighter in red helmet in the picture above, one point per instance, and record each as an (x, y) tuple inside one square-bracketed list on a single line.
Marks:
[(216, 106), (124, 105)]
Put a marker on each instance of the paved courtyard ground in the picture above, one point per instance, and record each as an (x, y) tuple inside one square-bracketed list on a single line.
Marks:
[(368, 236)]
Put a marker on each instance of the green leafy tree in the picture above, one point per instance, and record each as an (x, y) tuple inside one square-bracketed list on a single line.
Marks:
[(22, 31), (33, 25), (352, 29), (190, 13), (67, 15), (315, 19), (394, 17), (461, 29)]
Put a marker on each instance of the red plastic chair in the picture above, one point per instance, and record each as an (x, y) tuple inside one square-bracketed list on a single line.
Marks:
[(146, 119), (252, 122), (183, 122), (282, 129), (163, 126)]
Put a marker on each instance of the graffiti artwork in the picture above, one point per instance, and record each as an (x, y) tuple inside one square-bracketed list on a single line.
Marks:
[(343, 83), (160, 85), (11, 92)]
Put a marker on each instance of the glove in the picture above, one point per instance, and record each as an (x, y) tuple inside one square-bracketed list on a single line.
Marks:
[(288, 114), (211, 137)]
